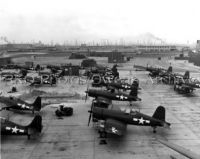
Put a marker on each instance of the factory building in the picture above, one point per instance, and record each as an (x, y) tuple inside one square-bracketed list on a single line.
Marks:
[(115, 57), (155, 48), (5, 61)]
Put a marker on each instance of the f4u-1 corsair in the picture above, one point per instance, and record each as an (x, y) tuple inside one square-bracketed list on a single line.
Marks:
[(115, 121), (20, 105), (11, 128), (154, 71), (112, 95), (99, 81), (45, 78), (185, 86)]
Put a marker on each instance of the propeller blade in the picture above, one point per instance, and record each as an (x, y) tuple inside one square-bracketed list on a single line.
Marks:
[(86, 93), (90, 111), (89, 118)]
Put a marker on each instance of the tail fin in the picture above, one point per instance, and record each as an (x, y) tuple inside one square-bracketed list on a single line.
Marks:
[(36, 124), (169, 69), (159, 113), (37, 104), (134, 92), (186, 75)]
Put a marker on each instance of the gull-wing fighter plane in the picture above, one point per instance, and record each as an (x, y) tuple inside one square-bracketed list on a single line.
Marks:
[(112, 95), (185, 152), (20, 105), (46, 79), (11, 128), (153, 71), (115, 121), (185, 86), (99, 81)]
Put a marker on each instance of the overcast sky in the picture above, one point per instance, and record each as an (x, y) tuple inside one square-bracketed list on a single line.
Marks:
[(176, 21)]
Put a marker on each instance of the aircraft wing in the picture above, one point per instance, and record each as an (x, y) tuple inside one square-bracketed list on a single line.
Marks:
[(104, 100), (140, 67), (116, 127), (179, 149)]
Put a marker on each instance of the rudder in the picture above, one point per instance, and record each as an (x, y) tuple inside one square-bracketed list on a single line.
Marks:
[(36, 123), (186, 75), (37, 104), (169, 69), (159, 113)]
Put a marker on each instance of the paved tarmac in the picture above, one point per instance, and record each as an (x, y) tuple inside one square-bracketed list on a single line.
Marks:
[(71, 138)]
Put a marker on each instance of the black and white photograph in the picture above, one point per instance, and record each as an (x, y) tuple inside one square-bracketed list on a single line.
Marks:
[(100, 79)]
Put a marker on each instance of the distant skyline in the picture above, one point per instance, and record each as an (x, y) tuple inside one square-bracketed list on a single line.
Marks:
[(174, 21)]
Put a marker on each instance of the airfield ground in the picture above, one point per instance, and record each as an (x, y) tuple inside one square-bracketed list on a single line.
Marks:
[(71, 138)]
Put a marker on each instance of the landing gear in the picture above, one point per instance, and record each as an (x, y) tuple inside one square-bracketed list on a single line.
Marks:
[(29, 136), (103, 136), (154, 130)]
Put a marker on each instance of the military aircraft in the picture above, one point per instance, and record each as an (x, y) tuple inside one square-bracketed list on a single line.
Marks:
[(115, 121), (112, 95), (11, 128), (20, 105), (153, 71), (41, 79), (185, 86), (100, 81), (185, 152), (8, 76)]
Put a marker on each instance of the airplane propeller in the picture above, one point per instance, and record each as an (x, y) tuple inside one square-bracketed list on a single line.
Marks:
[(90, 111), (86, 95)]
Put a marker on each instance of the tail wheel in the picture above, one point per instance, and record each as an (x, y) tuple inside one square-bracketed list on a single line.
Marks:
[(154, 130)]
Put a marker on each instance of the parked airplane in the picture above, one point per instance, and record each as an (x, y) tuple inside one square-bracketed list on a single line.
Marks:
[(185, 86), (11, 128), (112, 95), (20, 105), (100, 81), (41, 79), (153, 71), (115, 121)]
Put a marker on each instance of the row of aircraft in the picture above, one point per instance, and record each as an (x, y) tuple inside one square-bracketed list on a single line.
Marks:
[(34, 75), (17, 105), (115, 121), (108, 120), (182, 83)]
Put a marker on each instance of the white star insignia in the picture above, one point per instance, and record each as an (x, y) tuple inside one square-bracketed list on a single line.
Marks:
[(125, 86), (141, 120), (114, 130), (122, 97), (14, 130)]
